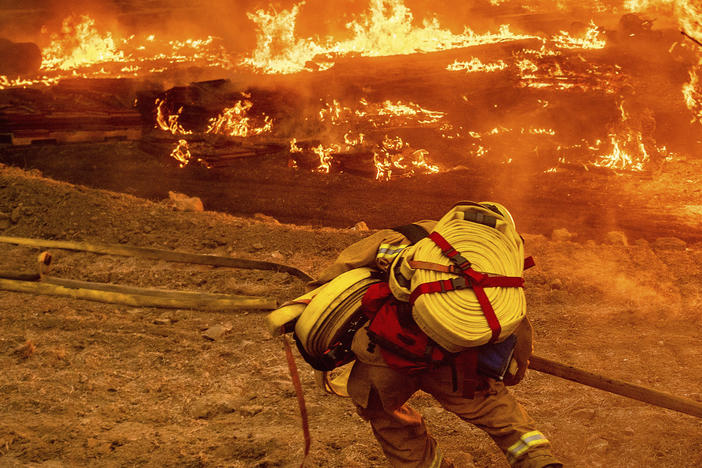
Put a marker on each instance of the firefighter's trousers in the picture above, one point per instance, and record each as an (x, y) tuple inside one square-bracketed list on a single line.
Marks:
[(380, 394)]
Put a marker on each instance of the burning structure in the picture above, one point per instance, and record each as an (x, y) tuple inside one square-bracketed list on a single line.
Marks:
[(391, 90), (583, 116)]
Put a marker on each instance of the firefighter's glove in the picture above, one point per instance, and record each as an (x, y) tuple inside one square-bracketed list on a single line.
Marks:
[(522, 352)]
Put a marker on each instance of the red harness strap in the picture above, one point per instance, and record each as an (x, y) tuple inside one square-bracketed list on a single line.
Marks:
[(448, 250), (469, 279)]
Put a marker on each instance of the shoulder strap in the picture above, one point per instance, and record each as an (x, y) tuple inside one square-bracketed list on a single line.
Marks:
[(413, 232)]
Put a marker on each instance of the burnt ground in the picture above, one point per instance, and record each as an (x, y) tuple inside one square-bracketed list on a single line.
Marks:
[(91, 384), (588, 201)]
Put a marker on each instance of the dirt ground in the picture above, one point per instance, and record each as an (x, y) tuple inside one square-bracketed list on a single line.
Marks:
[(91, 384)]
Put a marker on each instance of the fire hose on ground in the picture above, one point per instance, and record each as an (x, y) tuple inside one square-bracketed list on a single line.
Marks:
[(157, 254), (27, 282), (133, 296)]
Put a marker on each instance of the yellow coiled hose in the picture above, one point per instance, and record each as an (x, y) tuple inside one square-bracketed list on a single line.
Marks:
[(329, 312), (454, 319)]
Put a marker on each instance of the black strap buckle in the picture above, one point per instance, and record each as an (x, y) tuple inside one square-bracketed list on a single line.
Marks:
[(460, 261), (460, 283)]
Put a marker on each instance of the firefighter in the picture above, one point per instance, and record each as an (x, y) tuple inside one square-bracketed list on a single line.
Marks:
[(385, 375)]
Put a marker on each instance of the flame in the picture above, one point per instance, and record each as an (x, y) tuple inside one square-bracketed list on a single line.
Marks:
[(539, 131), (480, 151), (325, 156), (388, 27), (181, 153), (81, 49), (394, 154), (169, 123), (590, 40), (335, 112), (6, 82), (350, 141), (536, 70), (399, 109), (293, 146), (527, 68), (628, 152), (391, 157), (690, 17), (385, 29), (277, 50), (637, 6), (233, 121), (692, 93), (79, 44), (476, 65), (397, 113)]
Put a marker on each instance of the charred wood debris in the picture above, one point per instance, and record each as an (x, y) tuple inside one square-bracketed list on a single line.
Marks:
[(582, 105)]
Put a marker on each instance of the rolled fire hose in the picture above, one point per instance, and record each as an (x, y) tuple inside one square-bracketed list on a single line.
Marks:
[(321, 316), (282, 320), (335, 305), (455, 319)]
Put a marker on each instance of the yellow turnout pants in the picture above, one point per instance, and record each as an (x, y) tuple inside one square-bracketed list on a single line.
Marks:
[(380, 394)]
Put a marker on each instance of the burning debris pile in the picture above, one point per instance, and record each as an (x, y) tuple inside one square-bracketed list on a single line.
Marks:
[(593, 87)]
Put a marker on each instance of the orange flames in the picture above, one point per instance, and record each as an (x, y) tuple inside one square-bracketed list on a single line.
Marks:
[(181, 153), (80, 48), (590, 40), (382, 114), (325, 156), (369, 125), (394, 154), (692, 92), (79, 44), (476, 65), (233, 121), (277, 50), (6, 82), (385, 29), (689, 13), (690, 18), (643, 5), (629, 149), (169, 122), (628, 153), (391, 156)]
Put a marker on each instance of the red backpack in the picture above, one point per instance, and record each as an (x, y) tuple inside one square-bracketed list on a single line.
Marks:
[(402, 343)]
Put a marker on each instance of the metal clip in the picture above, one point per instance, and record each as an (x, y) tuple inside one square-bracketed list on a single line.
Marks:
[(460, 283)]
